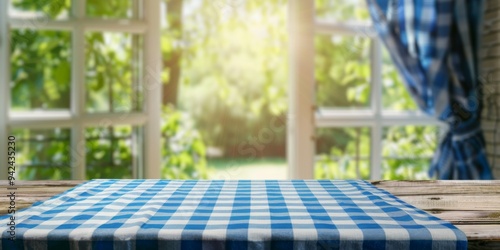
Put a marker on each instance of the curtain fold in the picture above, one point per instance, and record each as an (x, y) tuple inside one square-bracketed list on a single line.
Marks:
[(435, 45)]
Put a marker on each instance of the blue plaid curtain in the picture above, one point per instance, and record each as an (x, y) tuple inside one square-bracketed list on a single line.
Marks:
[(435, 46)]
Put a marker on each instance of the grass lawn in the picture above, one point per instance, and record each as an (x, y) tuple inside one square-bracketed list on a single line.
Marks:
[(242, 168)]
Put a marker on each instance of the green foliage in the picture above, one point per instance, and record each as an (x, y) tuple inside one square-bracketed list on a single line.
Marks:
[(183, 149), (340, 10), (342, 65), (395, 96), (112, 78), (345, 167), (408, 151), (342, 73), (109, 8), (43, 9), (234, 67), (42, 154), (38, 85), (109, 152), (342, 70), (343, 153), (235, 76)]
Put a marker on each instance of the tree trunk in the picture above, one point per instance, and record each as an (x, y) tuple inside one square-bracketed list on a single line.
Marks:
[(172, 62)]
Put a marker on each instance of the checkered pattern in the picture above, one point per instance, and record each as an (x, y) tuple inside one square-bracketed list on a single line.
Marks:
[(435, 46), (175, 214)]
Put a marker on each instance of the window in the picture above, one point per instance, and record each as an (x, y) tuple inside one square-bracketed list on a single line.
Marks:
[(85, 84), (347, 101), (81, 90)]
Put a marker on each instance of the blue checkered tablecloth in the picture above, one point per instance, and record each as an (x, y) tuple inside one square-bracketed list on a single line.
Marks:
[(230, 214)]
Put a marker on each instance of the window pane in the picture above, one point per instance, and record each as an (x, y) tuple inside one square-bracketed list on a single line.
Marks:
[(40, 9), (112, 151), (113, 72), (395, 96), (110, 8), (342, 71), (407, 151), (341, 10), (342, 153), (40, 70), (43, 154)]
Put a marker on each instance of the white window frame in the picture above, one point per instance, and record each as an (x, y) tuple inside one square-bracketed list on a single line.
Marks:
[(77, 119), (304, 116)]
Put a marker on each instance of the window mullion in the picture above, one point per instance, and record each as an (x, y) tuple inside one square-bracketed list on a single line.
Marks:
[(376, 99), (151, 83), (347, 29), (90, 24), (138, 132), (300, 122), (4, 83), (78, 91)]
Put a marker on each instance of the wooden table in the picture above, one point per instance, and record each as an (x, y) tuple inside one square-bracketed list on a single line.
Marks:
[(472, 206)]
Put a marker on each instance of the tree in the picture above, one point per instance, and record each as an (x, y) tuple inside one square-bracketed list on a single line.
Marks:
[(234, 68), (172, 55)]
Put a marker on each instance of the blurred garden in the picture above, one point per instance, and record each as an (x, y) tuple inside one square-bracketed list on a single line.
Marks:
[(225, 79)]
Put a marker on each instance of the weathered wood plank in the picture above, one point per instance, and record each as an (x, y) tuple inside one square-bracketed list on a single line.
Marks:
[(5, 183), (423, 183), (468, 217), (32, 191), (29, 192), (473, 206), (454, 202), (481, 232), (437, 190)]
